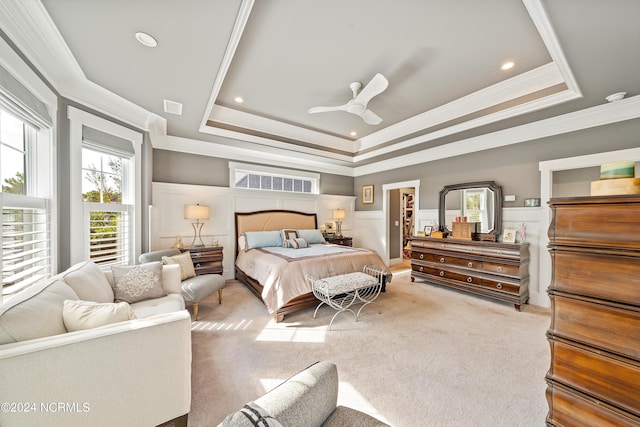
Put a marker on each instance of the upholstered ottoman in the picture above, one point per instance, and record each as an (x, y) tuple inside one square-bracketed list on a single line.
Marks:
[(194, 288), (198, 288)]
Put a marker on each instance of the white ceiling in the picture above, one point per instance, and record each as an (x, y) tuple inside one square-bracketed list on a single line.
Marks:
[(442, 60)]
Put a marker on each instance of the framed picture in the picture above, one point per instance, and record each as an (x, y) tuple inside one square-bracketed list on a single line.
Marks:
[(427, 230), (367, 194), (328, 227), (509, 235)]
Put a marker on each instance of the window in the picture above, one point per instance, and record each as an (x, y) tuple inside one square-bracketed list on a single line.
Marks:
[(26, 218), (256, 177), (106, 164), (108, 217)]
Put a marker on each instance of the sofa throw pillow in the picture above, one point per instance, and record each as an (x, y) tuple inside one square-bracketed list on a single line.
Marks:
[(138, 282), (187, 269), (79, 315)]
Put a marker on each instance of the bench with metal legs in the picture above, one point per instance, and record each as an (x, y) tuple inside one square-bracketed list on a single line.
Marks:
[(343, 291)]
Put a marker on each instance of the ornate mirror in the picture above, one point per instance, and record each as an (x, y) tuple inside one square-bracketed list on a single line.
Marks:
[(477, 201)]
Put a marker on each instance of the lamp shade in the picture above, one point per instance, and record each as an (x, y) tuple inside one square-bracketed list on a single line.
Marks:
[(196, 212), (339, 214)]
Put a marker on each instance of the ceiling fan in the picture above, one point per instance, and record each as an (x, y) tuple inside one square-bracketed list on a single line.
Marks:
[(358, 104)]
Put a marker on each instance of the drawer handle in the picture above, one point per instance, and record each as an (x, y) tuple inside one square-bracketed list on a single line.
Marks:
[(442, 259), (421, 256), (198, 265), (470, 264), (499, 252), (499, 286), (442, 274), (500, 269), (421, 269), (469, 279)]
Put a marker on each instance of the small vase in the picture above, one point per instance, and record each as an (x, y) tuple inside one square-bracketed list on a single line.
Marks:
[(179, 244)]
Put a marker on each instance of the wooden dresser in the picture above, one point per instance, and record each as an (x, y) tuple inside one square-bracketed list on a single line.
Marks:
[(206, 259), (594, 375), (496, 270)]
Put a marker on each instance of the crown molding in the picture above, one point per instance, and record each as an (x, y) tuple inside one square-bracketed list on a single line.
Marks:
[(273, 127), (236, 34), (604, 114), (29, 26), (517, 110), (272, 156)]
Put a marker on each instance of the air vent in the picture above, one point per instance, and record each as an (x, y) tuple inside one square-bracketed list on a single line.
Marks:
[(172, 107)]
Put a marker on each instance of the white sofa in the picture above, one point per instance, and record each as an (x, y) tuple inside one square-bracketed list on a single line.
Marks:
[(130, 373)]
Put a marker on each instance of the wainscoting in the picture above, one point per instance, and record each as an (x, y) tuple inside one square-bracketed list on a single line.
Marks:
[(366, 227)]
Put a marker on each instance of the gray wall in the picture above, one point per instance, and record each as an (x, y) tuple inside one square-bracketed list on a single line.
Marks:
[(514, 167), (185, 168)]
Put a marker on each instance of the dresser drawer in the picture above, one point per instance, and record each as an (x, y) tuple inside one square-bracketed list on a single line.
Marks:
[(457, 262), (614, 381), (614, 328), (501, 285), (610, 277), (569, 408), (502, 269), (421, 256)]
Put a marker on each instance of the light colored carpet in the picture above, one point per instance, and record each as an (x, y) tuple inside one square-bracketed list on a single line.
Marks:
[(421, 356)]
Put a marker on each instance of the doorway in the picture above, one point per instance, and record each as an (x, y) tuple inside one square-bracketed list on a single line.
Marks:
[(400, 205)]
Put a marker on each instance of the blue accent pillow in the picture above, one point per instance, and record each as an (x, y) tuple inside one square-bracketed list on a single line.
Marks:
[(263, 239), (312, 236)]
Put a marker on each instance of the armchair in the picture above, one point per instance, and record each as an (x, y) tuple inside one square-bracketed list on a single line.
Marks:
[(308, 398), (193, 289)]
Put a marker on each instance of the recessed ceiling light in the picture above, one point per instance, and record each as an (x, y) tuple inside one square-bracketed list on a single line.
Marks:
[(238, 99), (146, 39), (353, 133), (172, 107), (507, 65), (616, 96)]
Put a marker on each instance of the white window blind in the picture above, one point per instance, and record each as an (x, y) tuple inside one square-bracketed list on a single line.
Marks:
[(26, 243), (109, 226)]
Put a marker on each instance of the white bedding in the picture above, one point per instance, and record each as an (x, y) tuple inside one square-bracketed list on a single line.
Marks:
[(281, 271)]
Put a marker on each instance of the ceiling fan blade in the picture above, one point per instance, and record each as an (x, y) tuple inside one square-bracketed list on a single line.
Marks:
[(370, 117), (326, 109), (377, 85)]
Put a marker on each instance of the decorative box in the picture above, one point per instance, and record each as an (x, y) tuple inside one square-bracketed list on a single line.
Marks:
[(465, 230)]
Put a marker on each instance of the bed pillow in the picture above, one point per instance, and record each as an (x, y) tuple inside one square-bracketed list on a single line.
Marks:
[(242, 242), (263, 239), (311, 236), (298, 243), (288, 234), (80, 315), (137, 283), (187, 270)]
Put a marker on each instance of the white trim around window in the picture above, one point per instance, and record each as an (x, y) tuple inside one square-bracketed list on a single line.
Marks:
[(79, 118), (313, 177)]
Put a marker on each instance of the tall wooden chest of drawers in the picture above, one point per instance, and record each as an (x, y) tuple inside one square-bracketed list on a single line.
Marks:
[(594, 375), (496, 270)]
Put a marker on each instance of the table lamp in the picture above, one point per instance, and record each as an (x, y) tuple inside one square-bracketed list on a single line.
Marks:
[(196, 212), (339, 215)]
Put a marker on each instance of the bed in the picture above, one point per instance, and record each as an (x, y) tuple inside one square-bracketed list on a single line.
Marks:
[(276, 274)]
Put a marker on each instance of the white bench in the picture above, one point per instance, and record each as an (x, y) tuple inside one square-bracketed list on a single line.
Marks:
[(342, 291)]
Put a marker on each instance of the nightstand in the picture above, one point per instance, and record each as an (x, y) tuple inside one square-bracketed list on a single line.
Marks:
[(344, 241), (206, 259)]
